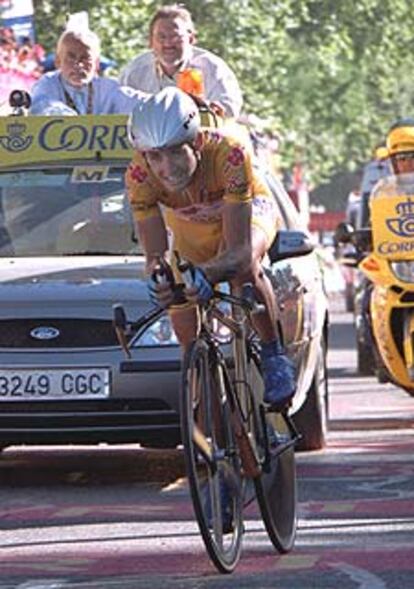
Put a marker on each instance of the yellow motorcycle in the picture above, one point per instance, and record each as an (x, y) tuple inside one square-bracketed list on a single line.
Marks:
[(384, 253)]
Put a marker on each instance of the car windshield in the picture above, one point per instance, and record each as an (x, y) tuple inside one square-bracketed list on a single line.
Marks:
[(71, 210)]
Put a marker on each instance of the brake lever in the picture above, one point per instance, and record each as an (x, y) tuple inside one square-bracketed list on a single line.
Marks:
[(186, 270), (249, 296), (162, 273), (120, 324)]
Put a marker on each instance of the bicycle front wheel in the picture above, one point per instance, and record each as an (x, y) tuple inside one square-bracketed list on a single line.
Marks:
[(212, 461), (276, 488)]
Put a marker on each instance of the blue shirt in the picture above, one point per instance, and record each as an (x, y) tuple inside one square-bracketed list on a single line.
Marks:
[(108, 96)]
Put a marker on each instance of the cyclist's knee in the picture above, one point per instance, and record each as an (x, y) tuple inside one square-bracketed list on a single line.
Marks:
[(185, 323)]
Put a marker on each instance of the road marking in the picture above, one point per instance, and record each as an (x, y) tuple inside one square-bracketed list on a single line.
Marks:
[(380, 487), (42, 584), (364, 578), (298, 561)]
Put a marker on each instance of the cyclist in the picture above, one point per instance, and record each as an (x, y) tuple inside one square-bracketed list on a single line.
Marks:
[(202, 186)]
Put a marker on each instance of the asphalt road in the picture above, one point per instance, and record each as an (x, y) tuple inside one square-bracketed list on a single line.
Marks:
[(113, 518)]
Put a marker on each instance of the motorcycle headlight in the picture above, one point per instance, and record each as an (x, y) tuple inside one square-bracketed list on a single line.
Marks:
[(403, 270)]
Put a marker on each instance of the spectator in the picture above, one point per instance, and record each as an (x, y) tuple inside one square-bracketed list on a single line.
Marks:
[(30, 57), (76, 84), (174, 60), (8, 48)]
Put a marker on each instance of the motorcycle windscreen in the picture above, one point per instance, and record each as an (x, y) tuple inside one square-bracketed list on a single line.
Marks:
[(392, 217)]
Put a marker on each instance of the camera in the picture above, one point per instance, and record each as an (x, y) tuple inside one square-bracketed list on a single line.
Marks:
[(20, 99)]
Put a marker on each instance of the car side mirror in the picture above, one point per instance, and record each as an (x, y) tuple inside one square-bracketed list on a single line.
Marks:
[(343, 233), (290, 244)]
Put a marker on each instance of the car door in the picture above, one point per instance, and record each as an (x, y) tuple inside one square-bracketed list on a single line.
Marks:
[(296, 281)]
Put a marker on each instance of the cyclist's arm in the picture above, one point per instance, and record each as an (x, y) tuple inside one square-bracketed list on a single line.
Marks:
[(153, 237), (235, 258), (143, 197)]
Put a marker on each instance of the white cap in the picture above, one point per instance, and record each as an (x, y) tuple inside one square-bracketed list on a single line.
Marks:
[(78, 21)]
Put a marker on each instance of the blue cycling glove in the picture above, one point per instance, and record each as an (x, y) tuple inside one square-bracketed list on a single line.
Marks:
[(204, 290), (152, 288)]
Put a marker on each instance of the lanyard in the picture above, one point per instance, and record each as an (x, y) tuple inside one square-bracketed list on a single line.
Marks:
[(70, 102)]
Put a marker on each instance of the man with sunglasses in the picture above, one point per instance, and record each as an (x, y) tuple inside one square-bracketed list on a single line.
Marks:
[(400, 146)]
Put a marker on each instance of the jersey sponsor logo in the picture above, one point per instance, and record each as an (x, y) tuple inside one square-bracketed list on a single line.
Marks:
[(138, 173), (236, 156), (201, 213)]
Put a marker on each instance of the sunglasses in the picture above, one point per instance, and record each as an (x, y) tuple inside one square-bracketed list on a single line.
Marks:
[(402, 157)]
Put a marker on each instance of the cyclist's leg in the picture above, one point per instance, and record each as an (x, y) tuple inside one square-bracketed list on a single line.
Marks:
[(276, 487), (184, 320), (278, 369)]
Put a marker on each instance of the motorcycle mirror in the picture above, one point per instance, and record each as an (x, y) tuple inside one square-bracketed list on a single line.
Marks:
[(343, 233)]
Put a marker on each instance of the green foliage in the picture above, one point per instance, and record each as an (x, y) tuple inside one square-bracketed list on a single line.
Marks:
[(329, 76)]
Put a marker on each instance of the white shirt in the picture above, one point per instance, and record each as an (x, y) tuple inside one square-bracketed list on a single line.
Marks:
[(108, 97), (220, 82)]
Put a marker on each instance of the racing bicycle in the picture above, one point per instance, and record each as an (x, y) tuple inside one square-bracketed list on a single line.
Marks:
[(230, 440)]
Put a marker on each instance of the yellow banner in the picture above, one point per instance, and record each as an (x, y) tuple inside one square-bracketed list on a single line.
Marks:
[(392, 220), (36, 139)]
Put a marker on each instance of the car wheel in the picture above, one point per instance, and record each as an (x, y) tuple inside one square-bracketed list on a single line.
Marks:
[(365, 360), (312, 418)]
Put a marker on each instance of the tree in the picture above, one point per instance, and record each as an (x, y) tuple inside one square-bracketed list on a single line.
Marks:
[(329, 76)]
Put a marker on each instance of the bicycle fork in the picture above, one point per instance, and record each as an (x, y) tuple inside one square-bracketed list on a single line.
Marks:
[(239, 409)]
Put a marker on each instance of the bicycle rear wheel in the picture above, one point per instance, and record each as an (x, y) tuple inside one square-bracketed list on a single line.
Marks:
[(276, 488), (212, 461)]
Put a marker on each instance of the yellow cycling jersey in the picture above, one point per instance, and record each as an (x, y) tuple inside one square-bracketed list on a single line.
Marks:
[(225, 174)]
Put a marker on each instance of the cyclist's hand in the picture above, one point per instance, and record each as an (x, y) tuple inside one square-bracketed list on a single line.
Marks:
[(161, 295), (200, 291)]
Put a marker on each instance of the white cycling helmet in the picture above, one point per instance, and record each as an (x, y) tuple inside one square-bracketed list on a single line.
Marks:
[(162, 120)]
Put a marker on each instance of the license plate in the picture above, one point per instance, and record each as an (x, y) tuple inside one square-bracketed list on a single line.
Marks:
[(25, 384)]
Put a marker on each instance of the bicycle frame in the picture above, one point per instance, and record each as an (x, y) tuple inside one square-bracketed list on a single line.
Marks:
[(242, 407)]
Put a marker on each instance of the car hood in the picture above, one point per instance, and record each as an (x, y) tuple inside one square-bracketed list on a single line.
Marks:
[(71, 283)]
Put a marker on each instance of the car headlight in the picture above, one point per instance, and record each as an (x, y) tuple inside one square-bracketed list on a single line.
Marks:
[(403, 270), (161, 333)]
